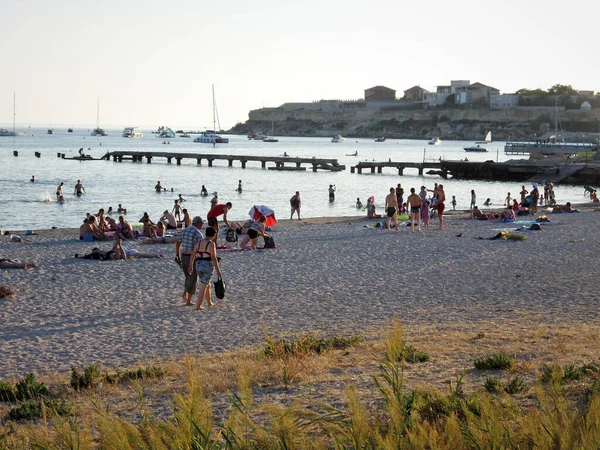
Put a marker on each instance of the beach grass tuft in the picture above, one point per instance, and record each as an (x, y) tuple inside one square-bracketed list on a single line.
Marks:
[(515, 385), (35, 409), (305, 345), (493, 385), (91, 375), (496, 361)]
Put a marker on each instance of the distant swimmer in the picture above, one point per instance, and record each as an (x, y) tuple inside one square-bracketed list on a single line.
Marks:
[(32, 179), (285, 154), (204, 192), (181, 199), (61, 199), (81, 152), (239, 188), (79, 189), (158, 187)]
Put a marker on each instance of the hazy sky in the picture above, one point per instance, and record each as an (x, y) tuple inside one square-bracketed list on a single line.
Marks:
[(153, 63)]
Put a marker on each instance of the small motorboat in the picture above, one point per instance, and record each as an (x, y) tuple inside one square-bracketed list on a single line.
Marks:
[(338, 138), (70, 130), (380, 139), (435, 141), (352, 154), (270, 139), (475, 148)]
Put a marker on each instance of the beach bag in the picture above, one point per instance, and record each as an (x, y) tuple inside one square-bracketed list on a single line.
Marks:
[(231, 236), (219, 288), (269, 242)]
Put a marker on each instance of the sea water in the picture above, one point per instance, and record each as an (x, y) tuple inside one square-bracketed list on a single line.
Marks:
[(25, 205)]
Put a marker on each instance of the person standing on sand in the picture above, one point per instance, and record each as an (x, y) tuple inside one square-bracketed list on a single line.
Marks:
[(203, 262), (535, 197), (217, 211), (453, 203), (399, 195), (187, 220), (440, 205), (295, 205), (79, 189), (184, 248), (414, 203), (523, 193), (391, 208), (59, 190), (473, 199)]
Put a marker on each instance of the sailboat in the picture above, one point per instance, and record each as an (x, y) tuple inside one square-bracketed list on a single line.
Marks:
[(98, 131), (4, 132), (487, 139), (552, 144), (210, 136), (270, 137)]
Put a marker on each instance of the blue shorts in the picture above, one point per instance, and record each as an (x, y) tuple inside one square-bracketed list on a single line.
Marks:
[(204, 269)]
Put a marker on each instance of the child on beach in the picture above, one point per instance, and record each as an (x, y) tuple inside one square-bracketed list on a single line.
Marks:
[(425, 213), (508, 200), (453, 203)]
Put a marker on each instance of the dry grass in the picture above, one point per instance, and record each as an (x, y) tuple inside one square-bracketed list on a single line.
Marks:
[(341, 379)]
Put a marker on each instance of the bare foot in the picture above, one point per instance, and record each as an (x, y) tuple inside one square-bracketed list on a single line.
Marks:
[(211, 303), (199, 307)]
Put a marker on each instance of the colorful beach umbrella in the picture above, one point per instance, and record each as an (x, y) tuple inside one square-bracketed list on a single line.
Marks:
[(261, 210)]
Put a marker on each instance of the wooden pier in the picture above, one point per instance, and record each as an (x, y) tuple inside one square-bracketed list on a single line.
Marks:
[(281, 162), (522, 171), (377, 166)]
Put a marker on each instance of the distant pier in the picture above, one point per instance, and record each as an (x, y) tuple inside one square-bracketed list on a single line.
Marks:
[(280, 162), (530, 171)]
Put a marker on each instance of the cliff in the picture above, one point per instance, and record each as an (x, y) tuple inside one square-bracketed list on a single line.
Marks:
[(323, 119)]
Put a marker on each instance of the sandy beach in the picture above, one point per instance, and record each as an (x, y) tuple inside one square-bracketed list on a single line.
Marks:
[(332, 275)]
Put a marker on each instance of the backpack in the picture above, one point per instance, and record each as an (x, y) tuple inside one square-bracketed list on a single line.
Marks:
[(231, 236), (269, 242)]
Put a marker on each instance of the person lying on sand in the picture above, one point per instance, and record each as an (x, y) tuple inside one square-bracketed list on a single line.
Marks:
[(15, 264), (18, 239), (161, 240), (120, 252)]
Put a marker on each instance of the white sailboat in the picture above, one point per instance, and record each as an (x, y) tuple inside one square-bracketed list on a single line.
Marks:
[(14, 132), (210, 136), (98, 131), (487, 139), (270, 138)]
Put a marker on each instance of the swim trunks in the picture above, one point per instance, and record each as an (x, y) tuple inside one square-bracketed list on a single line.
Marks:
[(415, 209), (441, 207), (252, 234), (391, 211)]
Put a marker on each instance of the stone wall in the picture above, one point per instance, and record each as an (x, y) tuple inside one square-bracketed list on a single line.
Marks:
[(369, 121)]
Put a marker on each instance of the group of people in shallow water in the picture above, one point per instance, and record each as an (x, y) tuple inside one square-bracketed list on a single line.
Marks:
[(60, 198)]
